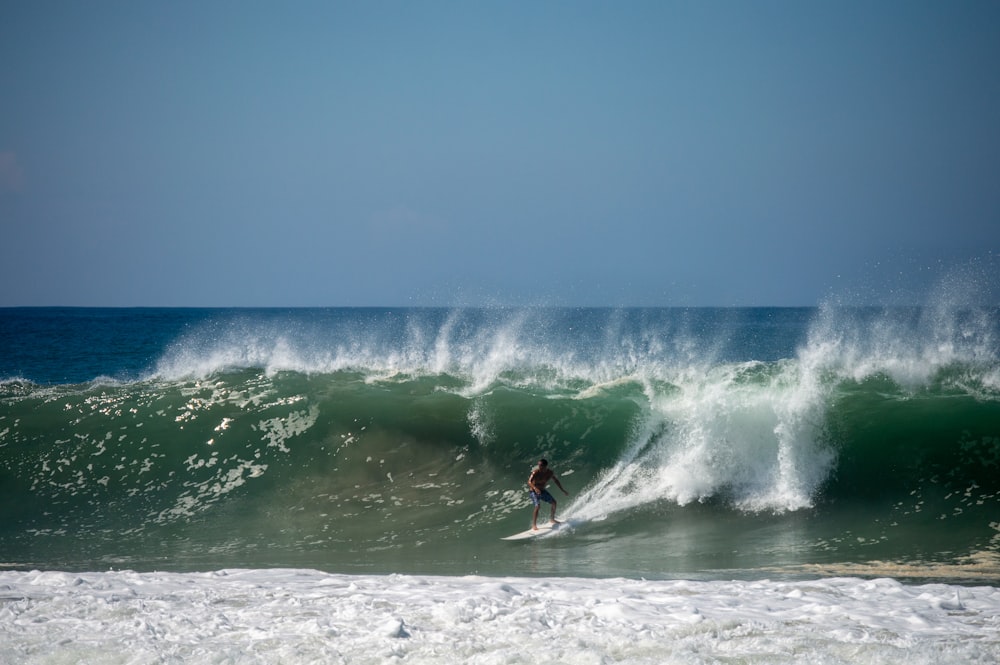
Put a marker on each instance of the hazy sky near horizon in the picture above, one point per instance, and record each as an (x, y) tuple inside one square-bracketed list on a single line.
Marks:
[(455, 153)]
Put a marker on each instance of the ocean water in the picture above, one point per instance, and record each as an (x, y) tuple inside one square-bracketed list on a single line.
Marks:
[(331, 485)]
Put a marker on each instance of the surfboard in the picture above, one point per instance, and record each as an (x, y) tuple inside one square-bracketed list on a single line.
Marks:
[(543, 530)]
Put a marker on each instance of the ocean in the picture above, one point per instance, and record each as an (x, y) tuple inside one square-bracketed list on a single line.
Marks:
[(751, 485)]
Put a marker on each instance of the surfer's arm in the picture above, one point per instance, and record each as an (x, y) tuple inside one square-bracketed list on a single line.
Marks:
[(559, 485)]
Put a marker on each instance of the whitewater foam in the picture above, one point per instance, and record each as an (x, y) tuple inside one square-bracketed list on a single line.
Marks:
[(301, 616), (751, 433)]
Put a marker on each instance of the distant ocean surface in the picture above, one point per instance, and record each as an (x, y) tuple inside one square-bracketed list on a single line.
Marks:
[(150, 458)]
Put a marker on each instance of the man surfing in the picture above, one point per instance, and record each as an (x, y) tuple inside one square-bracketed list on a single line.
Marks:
[(539, 478)]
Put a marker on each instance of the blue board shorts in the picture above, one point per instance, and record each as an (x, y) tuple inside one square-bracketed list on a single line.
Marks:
[(544, 496)]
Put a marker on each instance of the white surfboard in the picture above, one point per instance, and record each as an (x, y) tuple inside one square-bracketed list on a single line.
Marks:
[(543, 530)]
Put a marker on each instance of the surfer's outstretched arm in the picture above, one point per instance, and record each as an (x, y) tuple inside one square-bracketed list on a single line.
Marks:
[(559, 485)]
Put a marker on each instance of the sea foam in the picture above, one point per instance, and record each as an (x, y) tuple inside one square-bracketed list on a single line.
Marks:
[(300, 616)]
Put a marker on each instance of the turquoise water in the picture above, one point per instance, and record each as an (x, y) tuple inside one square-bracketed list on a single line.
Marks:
[(712, 443)]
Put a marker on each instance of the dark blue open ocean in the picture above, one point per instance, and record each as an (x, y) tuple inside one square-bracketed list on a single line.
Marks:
[(695, 443)]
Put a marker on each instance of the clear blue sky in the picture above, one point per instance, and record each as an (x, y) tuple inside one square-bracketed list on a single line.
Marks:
[(565, 153)]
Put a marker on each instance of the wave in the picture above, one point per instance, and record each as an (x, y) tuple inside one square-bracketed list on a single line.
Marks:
[(254, 429), (769, 436)]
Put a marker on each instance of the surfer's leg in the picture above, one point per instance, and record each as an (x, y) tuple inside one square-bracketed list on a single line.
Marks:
[(553, 516), (534, 516)]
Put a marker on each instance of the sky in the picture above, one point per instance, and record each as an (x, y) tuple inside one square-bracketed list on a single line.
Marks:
[(701, 153)]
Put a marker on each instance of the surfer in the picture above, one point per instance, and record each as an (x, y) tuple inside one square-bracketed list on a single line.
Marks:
[(539, 478)]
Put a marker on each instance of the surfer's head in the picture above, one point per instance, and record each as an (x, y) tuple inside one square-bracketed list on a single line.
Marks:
[(543, 462)]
